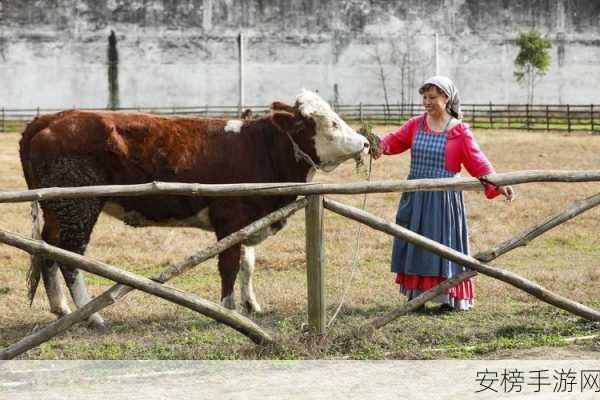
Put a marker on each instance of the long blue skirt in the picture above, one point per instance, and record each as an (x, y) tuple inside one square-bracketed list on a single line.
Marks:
[(439, 216)]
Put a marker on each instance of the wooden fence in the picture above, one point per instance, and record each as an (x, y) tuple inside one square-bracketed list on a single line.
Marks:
[(561, 117), (567, 117), (315, 203)]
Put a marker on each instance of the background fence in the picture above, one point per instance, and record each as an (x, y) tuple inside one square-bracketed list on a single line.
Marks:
[(565, 117)]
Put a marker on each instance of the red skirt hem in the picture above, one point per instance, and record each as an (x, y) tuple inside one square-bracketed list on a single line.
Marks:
[(463, 291)]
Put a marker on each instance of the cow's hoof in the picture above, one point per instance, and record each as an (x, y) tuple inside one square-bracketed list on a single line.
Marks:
[(252, 307), (97, 323), (228, 302), (98, 327)]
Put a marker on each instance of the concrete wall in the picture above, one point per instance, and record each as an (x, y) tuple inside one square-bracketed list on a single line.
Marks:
[(183, 52)]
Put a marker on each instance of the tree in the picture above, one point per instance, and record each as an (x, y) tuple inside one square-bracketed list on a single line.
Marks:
[(113, 72), (399, 60), (533, 60), (382, 77)]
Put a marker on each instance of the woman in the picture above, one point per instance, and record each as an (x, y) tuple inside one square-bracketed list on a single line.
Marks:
[(440, 143)]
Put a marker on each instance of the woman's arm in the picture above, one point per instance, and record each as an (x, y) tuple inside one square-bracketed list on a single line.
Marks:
[(399, 140), (478, 165)]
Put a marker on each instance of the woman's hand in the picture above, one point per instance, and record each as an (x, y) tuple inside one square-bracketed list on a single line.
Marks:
[(376, 154), (507, 192)]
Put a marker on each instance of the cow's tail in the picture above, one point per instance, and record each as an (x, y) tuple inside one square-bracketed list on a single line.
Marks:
[(35, 269)]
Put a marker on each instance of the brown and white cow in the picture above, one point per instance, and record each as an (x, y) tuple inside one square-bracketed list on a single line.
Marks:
[(77, 148)]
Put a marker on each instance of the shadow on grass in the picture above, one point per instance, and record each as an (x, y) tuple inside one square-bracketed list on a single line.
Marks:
[(376, 311), (11, 334), (561, 328), (14, 333)]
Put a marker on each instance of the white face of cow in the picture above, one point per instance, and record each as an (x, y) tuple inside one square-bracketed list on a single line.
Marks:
[(335, 141)]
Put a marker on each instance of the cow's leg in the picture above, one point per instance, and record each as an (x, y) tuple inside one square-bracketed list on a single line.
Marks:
[(229, 265), (71, 220), (246, 270), (56, 296), (49, 269), (78, 220), (228, 216)]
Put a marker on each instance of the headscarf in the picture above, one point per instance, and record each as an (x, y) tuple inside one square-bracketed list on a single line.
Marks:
[(450, 90)]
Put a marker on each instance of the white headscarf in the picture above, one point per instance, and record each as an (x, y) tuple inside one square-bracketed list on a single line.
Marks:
[(450, 90)]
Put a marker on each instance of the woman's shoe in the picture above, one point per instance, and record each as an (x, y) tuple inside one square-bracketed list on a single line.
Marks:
[(446, 308)]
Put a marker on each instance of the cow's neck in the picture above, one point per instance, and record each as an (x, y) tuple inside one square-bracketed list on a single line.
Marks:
[(287, 168)]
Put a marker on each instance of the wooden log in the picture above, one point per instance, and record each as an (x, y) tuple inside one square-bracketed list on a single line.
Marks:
[(486, 256), (315, 271), (415, 303), (297, 189), (506, 276), (118, 291), (523, 238), (195, 303)]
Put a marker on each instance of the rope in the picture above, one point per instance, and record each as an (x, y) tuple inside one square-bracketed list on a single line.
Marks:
[(354, 252), (300, 154)]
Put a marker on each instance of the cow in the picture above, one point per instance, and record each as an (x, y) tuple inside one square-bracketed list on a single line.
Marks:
[(80, 148), (247, 115)]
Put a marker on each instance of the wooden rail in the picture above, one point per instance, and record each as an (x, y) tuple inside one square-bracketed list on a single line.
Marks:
[(314, 243), (297, 189)]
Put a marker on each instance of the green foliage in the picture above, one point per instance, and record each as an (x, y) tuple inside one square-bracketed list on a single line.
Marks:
[(533, 54), (533, 60), (367, 131)]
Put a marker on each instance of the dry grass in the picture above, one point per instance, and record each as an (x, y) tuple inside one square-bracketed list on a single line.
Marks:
[(565, 260)]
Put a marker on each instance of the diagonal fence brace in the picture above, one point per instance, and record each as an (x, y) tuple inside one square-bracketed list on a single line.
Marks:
[(521, 239), (511, 278), (118, 291), (195, 303)]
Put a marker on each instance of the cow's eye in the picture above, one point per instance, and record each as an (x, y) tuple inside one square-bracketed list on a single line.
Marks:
[(334, 125)]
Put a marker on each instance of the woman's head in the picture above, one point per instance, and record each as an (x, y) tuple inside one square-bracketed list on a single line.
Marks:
[(440, 95), (434, 100)]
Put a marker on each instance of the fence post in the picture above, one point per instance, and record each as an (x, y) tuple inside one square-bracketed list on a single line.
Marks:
[(592, 116), (491, 117), (360, 113), (386, 108), (527, 116), (473, 115), (547, 119), (508, 113), (568, 117), (37, 114), (315, 271), (3, 126)]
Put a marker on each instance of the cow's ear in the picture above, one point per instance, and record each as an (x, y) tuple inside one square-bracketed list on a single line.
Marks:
[(306, 109), (280, 106), (283, 120)]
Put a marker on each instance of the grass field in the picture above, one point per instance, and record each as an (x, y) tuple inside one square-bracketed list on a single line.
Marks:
[(504, 323)]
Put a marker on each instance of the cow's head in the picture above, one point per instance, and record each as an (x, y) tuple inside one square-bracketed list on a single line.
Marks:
[(333, 140)]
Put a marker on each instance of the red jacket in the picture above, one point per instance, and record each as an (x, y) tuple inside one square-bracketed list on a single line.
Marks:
[(461, 149)]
